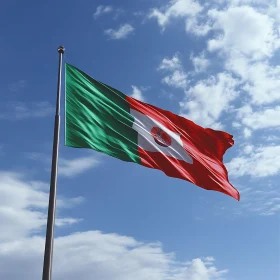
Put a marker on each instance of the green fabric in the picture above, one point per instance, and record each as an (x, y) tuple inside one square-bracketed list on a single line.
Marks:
[(97, 117)]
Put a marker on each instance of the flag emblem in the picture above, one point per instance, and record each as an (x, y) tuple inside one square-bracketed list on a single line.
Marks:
[(161, 137)]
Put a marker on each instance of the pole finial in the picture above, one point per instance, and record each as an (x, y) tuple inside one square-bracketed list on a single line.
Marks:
[(61, 49)]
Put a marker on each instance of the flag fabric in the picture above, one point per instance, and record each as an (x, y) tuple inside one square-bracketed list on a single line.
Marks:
[(106, 120)]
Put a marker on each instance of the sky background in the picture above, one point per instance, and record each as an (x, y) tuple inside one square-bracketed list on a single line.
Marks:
[(214, 62)]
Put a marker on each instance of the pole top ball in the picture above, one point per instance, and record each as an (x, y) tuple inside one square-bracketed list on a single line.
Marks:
[(61, 49)]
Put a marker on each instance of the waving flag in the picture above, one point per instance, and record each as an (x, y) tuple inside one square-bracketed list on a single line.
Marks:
[(104, 119)]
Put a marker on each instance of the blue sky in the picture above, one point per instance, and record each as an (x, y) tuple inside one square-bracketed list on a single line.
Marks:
[(215, 63)]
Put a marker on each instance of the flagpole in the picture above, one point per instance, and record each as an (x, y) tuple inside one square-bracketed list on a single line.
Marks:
[(48, 255)]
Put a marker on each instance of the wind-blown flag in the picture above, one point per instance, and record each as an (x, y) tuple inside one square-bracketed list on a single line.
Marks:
[(104, 119)]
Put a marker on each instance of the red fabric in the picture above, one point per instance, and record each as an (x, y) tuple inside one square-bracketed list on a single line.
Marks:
[(206, 146)]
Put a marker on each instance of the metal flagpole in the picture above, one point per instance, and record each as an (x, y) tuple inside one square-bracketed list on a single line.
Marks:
[(47, 268)]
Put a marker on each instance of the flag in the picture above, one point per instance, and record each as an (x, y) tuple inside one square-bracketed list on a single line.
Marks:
[(106, 120)]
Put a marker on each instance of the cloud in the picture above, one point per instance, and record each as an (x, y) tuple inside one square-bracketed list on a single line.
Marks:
[(260, 80), (198, 26), (23, 206), (207, 99), (137, 93), (267, 118), (92, 254), (20, 110), (101, 10), (85, 255), (271, 138), (261, 162), (189, 10), (62, 222), (248, 149), (236, 124), (200, 63), (67, 167), (175, 9), (121, 33), (252, 2), (70, 202), (74, 167), (171, 64), (244, 31), (262, 199), (178, 77), (247, 132), (248, 38)]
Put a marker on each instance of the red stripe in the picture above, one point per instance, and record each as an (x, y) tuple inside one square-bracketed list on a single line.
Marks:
[(205, 145)]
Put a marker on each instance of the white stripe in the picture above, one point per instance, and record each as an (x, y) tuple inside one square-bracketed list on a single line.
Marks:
[(144, 124)]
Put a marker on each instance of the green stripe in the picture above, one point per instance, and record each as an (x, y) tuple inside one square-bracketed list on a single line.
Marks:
[(97, 117)]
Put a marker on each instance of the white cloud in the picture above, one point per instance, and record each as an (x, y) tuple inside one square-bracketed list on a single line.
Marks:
[(248, 37), (262, 199), (262, 162), (200, 63), (16, 199), (101, 10), (70, 202), (84, 255), (247, 132), (245, 31), (271, 138), (67, 167), (244, 111), (252, 2), (261, 80), (178, 77), (205, 102), (20, 110), (267, 118), (121, 33), (263, 83), (264, 202), (209, 259), (61, 222), (248, 149), (171, 64), (236, 124), (137, 93), (92, 254), (274, 11), (175, 9), (196, 26), (23, 206), (74, 167)]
